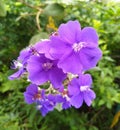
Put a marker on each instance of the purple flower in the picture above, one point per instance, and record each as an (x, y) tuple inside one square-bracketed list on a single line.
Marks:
[(80, 90), (32, 94), (68, 52), (45, 106), (62, 99), (42, 69), (20, 64), (76, 49)]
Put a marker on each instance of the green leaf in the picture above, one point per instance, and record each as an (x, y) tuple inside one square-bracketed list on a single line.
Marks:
[(117, 68), (9, 122), (109, 105), (116, 98), (2, 9), (93, 128), (108, 58), (54, 10), (101, 102), (38, 37)]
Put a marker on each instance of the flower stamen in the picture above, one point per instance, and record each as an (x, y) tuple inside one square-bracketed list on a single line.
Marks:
[(46, 66), (78, 46)]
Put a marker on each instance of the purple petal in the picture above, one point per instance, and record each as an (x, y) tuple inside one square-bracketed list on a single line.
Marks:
[(16, 75), (56, 76), (44, 111), (71, 63), (38, 77), (43, 93), (88, 35), (36, 73), (66, 105), (24, 55), (85, 79), (77, 101), (58, 47), (45, 107), (43, 48), (89, 96), (74, 87), (68, 31), (34, 64), (59, 99), (51, 97), (49, 105), (89, 57), (28, 98), (92, 94), (32, 89)]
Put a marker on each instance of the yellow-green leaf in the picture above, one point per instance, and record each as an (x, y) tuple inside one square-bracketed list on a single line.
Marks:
[(2, 9)]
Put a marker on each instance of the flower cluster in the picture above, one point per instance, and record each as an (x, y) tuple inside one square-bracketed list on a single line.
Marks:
[(60, 63)]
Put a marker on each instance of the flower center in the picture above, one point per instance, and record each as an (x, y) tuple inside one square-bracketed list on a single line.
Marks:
[(65, 95), (46, 66), (84, 88), (37, 96), (78, 46)]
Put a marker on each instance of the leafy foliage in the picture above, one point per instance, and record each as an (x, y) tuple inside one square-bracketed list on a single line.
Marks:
[(18, 28)]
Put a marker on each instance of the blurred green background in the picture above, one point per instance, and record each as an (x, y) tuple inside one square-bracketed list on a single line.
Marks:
[(24, 22)]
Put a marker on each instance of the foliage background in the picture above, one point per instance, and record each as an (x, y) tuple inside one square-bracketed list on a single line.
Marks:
[(20, 27)]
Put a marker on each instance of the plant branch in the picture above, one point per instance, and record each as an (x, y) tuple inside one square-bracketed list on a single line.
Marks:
[(95, 116), (37, 19), (37, 14), (34, 7)]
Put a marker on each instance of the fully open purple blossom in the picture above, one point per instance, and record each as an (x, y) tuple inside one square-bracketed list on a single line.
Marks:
[(76, 49), (32, 94), (80, 90), (42, 69)]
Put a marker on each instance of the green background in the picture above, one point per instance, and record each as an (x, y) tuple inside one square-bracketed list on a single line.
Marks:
[(19, 28)]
